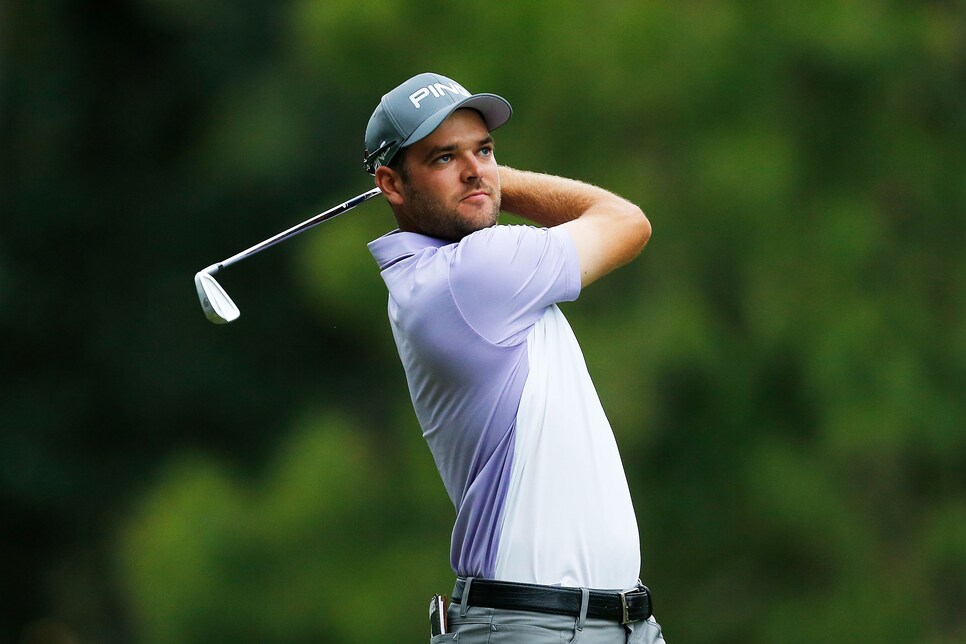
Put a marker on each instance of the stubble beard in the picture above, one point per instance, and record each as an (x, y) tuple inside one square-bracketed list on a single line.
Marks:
[(442, 221)]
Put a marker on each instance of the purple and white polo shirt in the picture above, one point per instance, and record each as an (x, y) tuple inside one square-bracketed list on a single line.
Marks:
[(505, 402)]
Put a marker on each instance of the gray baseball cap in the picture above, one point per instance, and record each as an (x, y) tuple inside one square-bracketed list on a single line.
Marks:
[(413, 110)]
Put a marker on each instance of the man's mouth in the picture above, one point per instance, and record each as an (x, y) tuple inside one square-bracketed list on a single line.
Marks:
[(474, 194)]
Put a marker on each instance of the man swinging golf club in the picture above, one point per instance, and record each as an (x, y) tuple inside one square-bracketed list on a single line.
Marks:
[(545, 542)]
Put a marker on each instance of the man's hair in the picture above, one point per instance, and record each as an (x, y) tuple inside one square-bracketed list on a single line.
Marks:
[(398, 163)]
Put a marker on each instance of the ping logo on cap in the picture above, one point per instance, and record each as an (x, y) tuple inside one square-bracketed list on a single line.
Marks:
[(436, 89)]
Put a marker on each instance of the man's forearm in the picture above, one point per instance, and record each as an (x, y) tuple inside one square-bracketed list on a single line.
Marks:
[(545, 199), (608, 231)]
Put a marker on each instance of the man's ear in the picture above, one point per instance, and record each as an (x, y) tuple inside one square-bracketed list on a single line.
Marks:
[(390, 182)]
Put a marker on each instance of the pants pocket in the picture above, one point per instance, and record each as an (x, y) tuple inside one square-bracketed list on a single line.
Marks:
[(648, 632)]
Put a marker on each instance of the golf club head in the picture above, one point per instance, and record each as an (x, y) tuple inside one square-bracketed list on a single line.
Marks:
[(217, 305)]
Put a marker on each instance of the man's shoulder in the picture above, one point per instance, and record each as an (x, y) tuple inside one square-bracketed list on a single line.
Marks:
[(505, 259)]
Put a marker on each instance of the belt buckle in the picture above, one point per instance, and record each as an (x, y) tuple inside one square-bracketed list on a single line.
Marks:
[(625, 618)]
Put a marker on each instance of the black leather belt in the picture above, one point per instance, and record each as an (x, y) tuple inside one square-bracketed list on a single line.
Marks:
[(632, 605)]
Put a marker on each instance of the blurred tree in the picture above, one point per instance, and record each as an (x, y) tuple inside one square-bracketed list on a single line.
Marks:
[(297, 556)]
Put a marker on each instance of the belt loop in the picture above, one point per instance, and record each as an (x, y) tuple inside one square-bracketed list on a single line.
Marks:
[(465, 599), (582, 617), (584, 603)]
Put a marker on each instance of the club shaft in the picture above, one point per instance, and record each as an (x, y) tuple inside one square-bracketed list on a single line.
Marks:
[(295, 230)]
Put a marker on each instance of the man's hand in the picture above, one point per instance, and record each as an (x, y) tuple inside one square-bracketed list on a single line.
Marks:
[(608, 231)]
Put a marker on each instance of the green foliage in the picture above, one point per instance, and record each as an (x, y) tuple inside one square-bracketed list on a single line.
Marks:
[(296, 555), (783, 366)]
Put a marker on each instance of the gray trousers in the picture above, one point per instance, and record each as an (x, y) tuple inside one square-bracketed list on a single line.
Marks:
[(475, 625)]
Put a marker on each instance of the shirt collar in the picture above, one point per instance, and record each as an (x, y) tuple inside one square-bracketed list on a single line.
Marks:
[(397, 245)]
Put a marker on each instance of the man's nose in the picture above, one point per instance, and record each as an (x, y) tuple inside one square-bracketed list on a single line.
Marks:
[(472, 168)]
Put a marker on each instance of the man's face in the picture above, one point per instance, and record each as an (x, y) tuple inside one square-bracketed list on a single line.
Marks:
[(453, 185)]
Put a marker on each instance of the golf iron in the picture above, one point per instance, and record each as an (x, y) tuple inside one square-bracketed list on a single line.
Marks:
[(217, 306)]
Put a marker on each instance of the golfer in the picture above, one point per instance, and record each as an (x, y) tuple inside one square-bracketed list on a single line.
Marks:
[(545, 545)]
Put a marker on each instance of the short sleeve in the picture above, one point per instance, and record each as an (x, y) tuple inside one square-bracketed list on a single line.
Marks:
[(503, 278)]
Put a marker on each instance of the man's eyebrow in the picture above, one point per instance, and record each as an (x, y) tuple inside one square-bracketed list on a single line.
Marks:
[(445, 149)]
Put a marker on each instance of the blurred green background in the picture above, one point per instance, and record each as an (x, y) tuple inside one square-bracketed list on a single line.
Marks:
[(783, 366)]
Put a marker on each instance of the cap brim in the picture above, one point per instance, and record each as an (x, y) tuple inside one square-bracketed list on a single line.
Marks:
[(495, 111)]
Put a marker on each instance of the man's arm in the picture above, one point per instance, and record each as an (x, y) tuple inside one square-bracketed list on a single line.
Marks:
[(608, 231)]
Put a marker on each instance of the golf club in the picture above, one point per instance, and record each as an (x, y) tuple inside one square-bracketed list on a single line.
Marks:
[(217, 306)]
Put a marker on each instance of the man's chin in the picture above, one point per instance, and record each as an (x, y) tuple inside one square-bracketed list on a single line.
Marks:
[(482, 212), (483, 222), (453, 225)]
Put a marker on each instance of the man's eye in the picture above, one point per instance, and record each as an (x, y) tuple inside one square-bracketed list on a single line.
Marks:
[(444, 158), (486, 151)]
